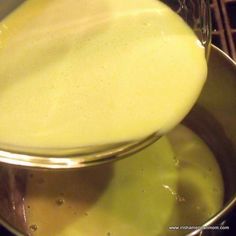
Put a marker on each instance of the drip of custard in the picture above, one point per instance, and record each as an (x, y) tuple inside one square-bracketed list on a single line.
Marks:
[(174, 182), (80, 73)]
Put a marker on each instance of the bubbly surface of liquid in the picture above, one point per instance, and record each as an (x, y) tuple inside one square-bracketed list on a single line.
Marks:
[(174, 182), (80, 73)]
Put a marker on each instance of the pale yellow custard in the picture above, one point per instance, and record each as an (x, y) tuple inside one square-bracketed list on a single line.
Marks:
[(174, 182), (79, 73)]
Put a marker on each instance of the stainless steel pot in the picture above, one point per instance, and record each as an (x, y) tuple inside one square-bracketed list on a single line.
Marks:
[(213, 118)]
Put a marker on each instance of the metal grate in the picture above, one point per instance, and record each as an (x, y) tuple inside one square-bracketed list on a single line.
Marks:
[(223, 14)]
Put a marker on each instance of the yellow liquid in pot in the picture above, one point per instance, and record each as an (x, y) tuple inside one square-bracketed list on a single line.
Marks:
[(79, 73), (174, 182)]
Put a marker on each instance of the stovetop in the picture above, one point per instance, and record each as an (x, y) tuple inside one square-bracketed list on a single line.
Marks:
[(224, 25), (223, 14)]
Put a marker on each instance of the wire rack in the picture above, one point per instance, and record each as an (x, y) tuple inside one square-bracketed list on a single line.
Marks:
[(223, 14)]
